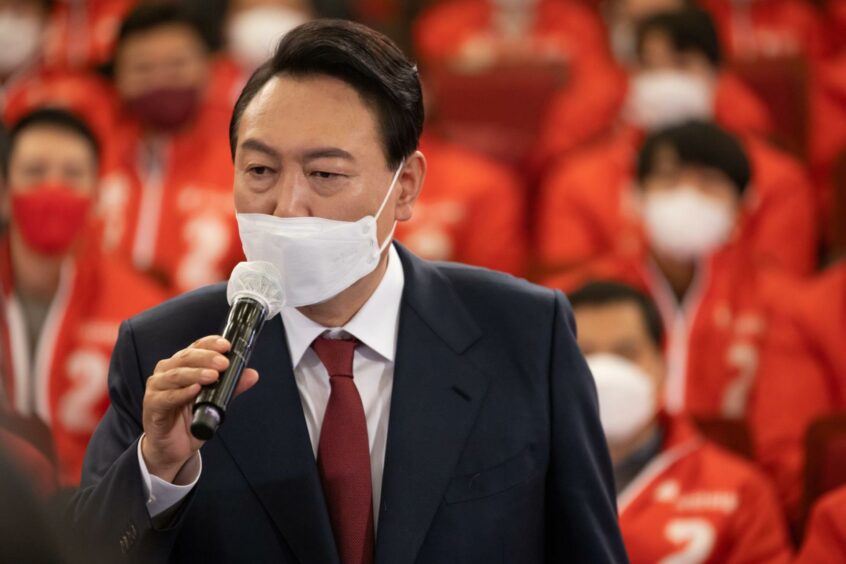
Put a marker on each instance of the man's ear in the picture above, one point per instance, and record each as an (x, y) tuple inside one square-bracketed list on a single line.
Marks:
[(410, 182)]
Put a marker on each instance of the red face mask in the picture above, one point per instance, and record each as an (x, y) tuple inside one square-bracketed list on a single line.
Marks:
[(50, 217), (166, 108)]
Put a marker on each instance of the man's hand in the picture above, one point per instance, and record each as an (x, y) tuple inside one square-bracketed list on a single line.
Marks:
[(170, 393)]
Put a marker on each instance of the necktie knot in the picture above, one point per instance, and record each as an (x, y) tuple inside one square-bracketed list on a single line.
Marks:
[(336, 355)]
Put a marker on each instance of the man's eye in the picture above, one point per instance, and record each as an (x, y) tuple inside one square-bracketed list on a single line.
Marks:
[(258, 170), (325, 175)]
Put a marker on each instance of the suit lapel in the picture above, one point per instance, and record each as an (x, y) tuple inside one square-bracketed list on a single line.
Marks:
[(266, 434), (436, 396)]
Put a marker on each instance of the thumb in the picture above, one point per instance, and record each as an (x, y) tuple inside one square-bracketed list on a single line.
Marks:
[(249, 378)]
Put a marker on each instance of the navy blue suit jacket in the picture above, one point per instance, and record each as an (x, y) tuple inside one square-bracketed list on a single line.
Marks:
[(495, 453)]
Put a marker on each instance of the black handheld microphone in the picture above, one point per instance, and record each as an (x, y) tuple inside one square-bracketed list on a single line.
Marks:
[(255, 295)]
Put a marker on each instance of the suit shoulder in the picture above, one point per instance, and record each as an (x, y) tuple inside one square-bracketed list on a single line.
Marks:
[(492, 288), (193, 308)]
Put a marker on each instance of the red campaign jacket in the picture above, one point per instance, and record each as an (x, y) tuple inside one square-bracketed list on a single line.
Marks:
[(587, 207), (177, 224), (732, 351), (771, 28), (827, 126), (696, 503), (66, 387), (470, 210), (825, 535), (83, 34)]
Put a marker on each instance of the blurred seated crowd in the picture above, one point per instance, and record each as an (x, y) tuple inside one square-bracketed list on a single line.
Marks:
[(676, 167)]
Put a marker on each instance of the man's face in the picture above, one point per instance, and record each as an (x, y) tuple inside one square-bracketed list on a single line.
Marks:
[(48, 155), (669, 173), (44, 154), (310, 147), (619, 329), (658, 54), (169, 56)]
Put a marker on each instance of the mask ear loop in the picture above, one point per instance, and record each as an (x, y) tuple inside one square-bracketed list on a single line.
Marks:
[(390, 237)]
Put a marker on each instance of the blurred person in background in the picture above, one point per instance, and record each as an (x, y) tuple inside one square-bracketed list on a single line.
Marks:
[(479, 33), (585, 204), (166, 197), (680, 498), (691, 73), (471, 210), (23, 31), (62, 300), (28, 77), (722, 309), (825, 535), (561, 41), (253, 28)]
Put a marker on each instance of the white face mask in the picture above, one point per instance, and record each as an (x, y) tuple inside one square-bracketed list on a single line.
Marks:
[(254, 34), (20, 40), (317, 258), (627, 398), (659, 99), (685, 224)]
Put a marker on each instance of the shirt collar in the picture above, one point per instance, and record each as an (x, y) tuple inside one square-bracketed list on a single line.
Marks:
[(375, 324)]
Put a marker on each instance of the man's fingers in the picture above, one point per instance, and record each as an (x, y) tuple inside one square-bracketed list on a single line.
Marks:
[(194, 358), (212, 343), (182, 377), (249, 378), (172, 399)]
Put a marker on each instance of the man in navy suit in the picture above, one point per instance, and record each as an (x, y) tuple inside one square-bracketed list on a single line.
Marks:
[(406, 411)]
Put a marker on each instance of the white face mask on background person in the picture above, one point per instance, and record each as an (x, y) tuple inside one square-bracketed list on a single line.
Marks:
[(659, 99), (627, 397), (20, 40), (685, 224), (318, 258), (254, 34)]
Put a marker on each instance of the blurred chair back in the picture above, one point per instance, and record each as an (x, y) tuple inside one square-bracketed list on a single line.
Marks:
[(825, 457), (836, 236), (782, 83), (497, 110), (729, 433)]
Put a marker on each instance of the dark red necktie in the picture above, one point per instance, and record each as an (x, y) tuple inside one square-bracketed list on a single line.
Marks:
[(343, 455)]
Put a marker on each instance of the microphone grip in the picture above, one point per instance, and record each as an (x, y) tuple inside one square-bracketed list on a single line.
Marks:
[(243, 324)]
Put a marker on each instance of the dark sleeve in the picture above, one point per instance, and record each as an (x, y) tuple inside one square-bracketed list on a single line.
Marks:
[(109, 512), (581, 504)]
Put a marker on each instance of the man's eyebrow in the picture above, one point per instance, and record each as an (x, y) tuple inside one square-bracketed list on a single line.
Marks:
[(256, 145), (327, 153)]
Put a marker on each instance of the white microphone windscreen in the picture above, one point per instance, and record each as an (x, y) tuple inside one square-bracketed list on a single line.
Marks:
[(260, 281)]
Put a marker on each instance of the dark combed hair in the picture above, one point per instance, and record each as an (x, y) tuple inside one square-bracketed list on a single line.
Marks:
[(698, 143), (689, 30), (147, 16), (48, 117), (364, 59), (600, 293)]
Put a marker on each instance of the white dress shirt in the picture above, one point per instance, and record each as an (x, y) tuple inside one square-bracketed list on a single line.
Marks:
[(375, 325)]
